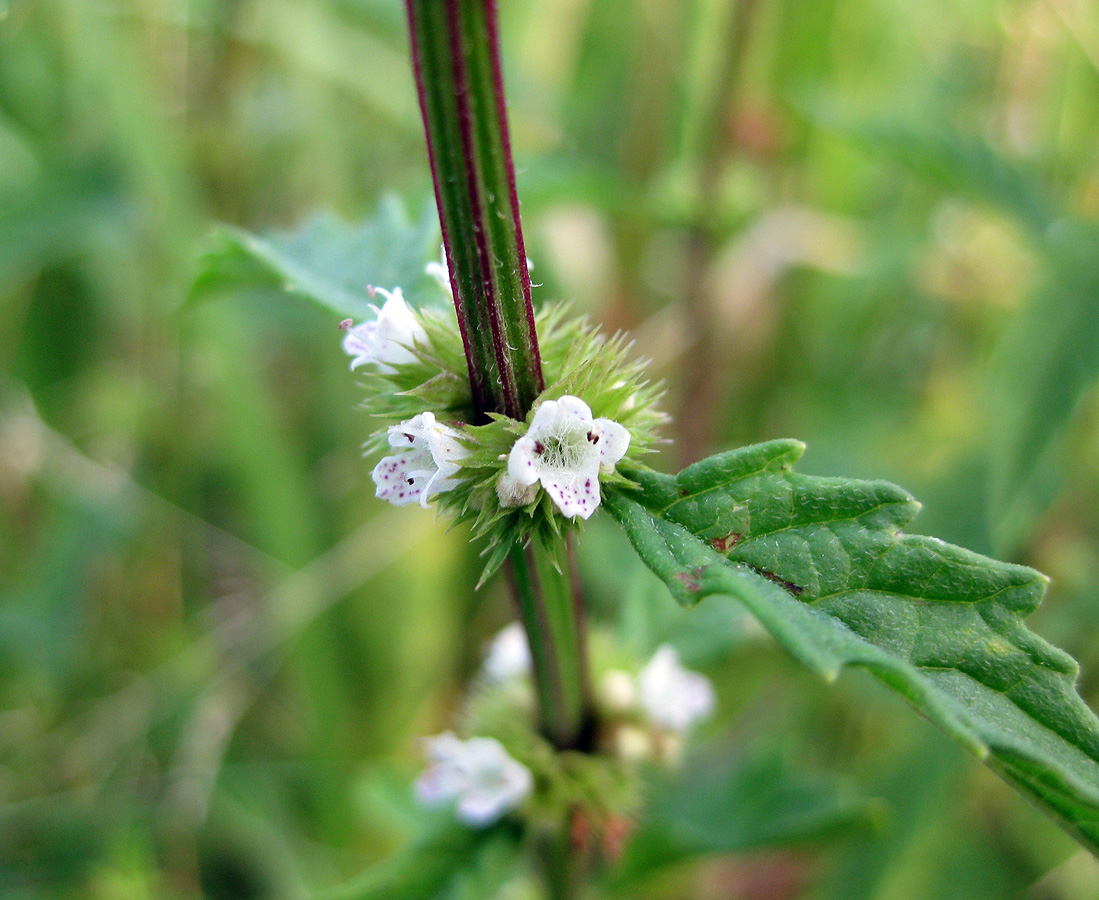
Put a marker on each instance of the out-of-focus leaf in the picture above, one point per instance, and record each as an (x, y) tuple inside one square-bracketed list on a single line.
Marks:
[(1048, 359), (721, 806), (967, 166), (449, 862), (53, 221), (329, 261), (823, 565), (1050, 355)]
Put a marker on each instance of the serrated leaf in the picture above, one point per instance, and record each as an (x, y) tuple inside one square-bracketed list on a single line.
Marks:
[(823, 564), (329, 261)]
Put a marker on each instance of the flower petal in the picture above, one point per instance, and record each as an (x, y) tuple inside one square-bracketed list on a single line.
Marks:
[(508, 654), (673, 697), (359, 343), (576, 494), (614, 441), (545, 417), (446, 775), (401, 479), (483, 806), (572, 411), (522, 461), (497, 784)]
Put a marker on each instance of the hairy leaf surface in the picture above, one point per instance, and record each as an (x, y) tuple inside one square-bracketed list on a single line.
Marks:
[(823, 564)]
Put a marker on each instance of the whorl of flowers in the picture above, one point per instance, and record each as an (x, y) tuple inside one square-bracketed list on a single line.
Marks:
[(499, 762), (512, 479)]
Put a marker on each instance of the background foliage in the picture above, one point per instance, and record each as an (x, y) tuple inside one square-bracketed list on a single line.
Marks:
[(869, 225)]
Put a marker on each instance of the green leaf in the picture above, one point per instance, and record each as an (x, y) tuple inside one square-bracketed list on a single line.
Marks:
[(329, 261), (823, 565), (1048, 360), (449, 861), (966, 165), (718, 805)]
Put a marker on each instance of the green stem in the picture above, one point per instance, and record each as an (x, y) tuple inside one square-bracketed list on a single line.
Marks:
[(705, 377), (561, 864), (455, 50), (456, 55), (552, 619)]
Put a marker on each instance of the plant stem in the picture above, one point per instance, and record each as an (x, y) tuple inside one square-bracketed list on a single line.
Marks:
[(705, 378), (455, 50), (553, 622), (456, 55), (561, 865)]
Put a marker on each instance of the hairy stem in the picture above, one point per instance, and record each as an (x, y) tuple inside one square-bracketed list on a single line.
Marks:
[(455, 49), (456, 56), (552, 620)]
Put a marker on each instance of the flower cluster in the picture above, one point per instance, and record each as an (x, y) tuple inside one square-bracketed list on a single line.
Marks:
[(506, 765), (650, 715), (668, 696), (512, 478)]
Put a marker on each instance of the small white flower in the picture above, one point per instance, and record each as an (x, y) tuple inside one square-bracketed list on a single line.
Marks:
[(386, 341), (617, 691), (671, 696), (478, 774), (508, 654), (440, 271), (565, 449), (512, 493), (425, 465), (632, 743)]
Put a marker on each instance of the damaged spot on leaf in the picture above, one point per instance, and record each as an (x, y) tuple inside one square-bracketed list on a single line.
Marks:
[(725, 544), (691, 580)]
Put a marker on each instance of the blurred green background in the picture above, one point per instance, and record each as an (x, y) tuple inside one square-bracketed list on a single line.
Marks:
[(867, 224)]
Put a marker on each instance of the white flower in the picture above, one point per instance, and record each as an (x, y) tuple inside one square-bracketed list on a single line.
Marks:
[(440, 271), (479, 774), (671, 696), (512, 493), (425, 465), (388, 340), (565, 449), (508, 654), (618, 691)]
